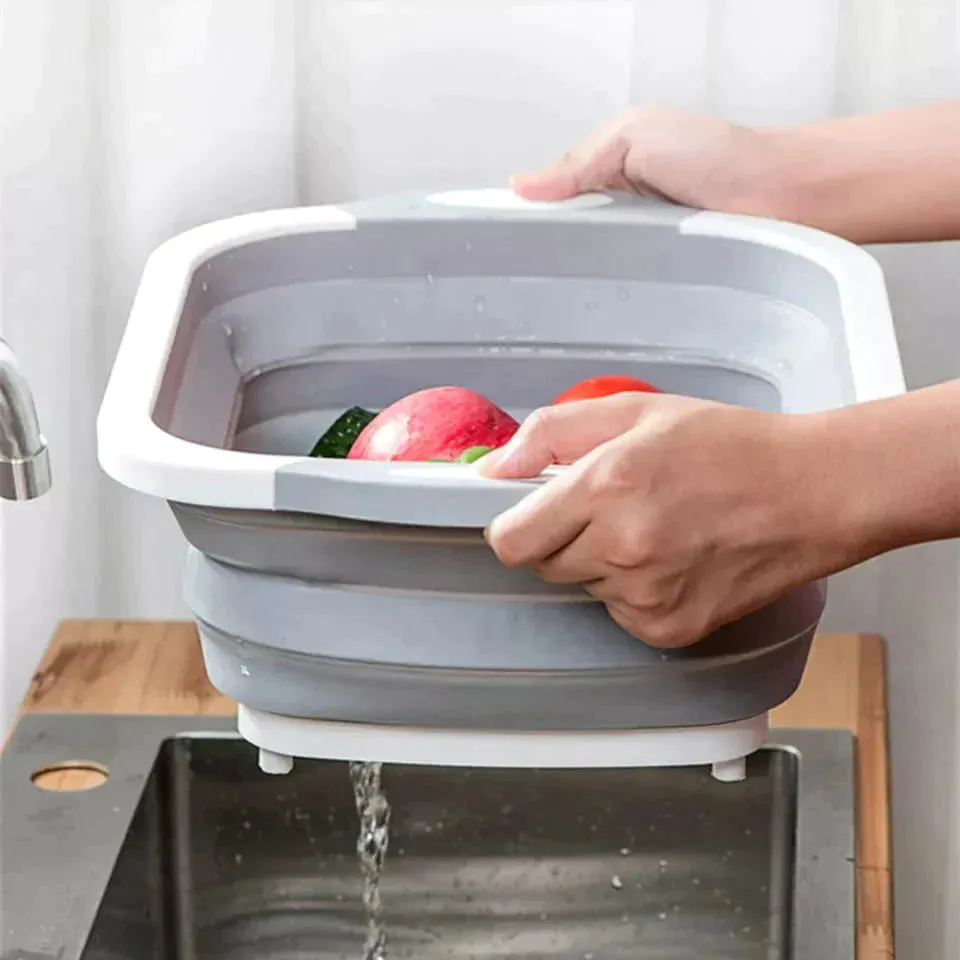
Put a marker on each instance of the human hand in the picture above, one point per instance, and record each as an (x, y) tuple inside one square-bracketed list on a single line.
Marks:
[(846, 175), (698, 161), (680, 515)]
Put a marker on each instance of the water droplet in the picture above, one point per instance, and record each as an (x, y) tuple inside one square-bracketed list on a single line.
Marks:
[(662, 916), (396, 301), (204, 286), (480, 304), (624, 851), (624, 919), (616, 882), (244, 670), (468, 246), (663, 864), (623, 294), (696, 881), (430, 278), (745, 930)]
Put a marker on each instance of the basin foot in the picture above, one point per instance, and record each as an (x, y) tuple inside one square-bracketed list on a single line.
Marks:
[(280, 738), (275, 763), (730, 771)]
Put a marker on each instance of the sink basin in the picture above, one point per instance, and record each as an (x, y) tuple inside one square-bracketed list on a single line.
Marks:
[(188, 852)]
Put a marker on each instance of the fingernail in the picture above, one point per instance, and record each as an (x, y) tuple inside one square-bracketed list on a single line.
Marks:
[(520, 184), (502, 459), (486, 466), (540, 185)]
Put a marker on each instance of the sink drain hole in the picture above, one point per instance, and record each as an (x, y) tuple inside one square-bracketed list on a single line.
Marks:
[(70, 776)]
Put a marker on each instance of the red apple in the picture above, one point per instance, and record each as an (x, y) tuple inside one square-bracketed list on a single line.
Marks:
[(434, 424)]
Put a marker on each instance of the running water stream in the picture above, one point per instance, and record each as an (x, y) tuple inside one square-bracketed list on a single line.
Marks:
[(372, 842)]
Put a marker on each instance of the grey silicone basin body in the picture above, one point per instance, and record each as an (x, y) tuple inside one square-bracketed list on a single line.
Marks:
[(309, 614)]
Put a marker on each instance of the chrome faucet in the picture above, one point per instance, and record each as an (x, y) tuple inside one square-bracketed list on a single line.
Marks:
[(24, 460)]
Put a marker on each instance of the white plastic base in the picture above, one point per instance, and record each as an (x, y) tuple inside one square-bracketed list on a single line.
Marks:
[(724, 747)]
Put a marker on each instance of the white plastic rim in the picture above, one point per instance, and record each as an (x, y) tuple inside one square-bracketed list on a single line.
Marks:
[(867, 320), (137, 453), (671, 747), (503, 199), (131, 448)]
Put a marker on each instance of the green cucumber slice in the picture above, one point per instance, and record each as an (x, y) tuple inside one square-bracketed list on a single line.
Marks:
[(342, 434)]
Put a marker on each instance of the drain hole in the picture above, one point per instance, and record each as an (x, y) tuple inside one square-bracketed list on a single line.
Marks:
[(71, 776)]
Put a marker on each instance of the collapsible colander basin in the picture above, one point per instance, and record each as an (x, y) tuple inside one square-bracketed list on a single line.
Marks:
[(352, 591)]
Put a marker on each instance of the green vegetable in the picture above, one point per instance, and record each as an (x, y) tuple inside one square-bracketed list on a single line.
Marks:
[(472, 454), (342, 434)]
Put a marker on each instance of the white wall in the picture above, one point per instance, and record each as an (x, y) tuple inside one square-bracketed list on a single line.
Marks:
[(124, 121), (920, 616), (49, 548), (913, 599)]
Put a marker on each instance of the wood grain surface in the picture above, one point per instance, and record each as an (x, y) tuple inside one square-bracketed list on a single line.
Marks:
[(106, 666)]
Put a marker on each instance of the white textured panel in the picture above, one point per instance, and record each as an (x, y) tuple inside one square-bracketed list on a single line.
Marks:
[(199, 122), (460, 94), (49, 548), (773, 63), (895, 52), (670, 52)]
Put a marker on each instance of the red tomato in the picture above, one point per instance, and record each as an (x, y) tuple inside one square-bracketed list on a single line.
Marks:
[(604, 387)]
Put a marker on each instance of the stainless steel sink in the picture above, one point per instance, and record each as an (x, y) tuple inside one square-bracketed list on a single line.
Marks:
[(189, 852)]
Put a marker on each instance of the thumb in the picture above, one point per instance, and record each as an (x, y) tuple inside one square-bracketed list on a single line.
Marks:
[(585, 168), (562, 434)]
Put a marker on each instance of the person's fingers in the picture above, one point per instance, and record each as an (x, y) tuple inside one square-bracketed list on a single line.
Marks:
[(581, 561), (626, 618), (538, 526), (664, 631), (562, 434), (591, 166)]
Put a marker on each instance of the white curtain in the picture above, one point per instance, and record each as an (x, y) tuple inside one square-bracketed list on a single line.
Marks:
[(126, 121)]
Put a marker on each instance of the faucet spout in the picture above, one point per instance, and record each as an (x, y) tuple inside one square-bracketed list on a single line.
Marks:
[(24, 459)]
